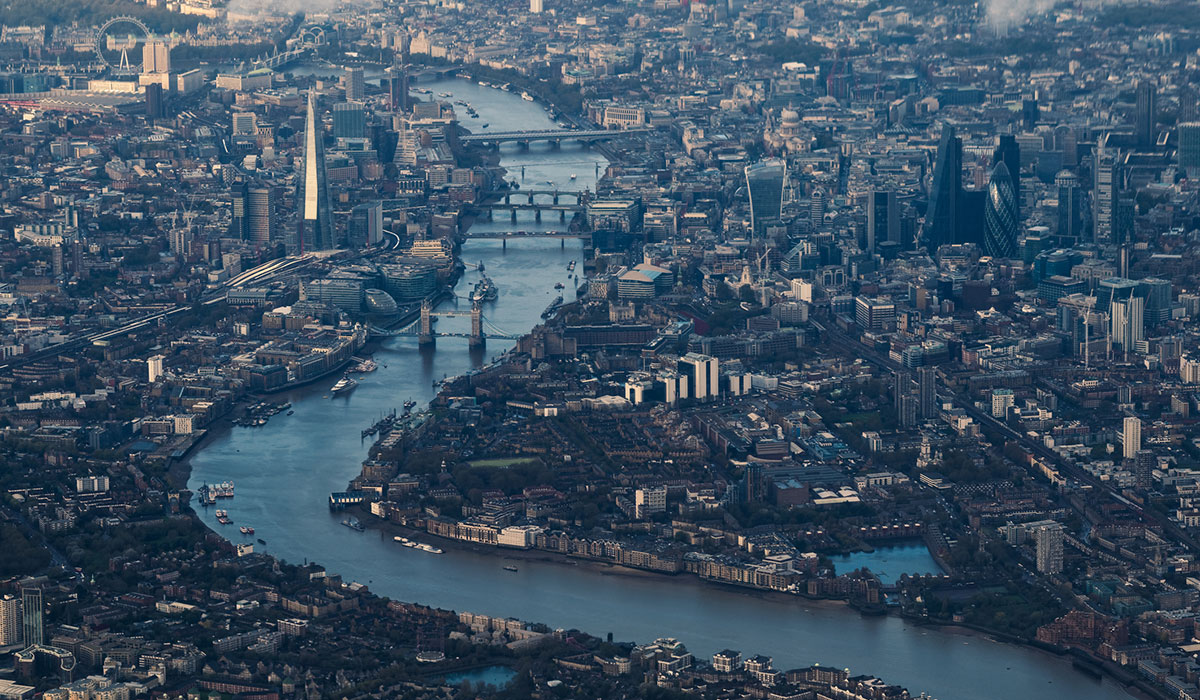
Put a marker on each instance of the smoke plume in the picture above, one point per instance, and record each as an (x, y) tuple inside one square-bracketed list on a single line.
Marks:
[(1001, 15), (280, 7)]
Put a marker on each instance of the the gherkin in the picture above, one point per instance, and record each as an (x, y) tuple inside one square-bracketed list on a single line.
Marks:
[(1002, 217)]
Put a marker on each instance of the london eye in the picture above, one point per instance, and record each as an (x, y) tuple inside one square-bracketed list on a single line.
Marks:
[(115, 39)]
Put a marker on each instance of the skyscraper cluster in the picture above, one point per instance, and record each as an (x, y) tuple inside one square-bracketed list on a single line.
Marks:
[(990, 218)]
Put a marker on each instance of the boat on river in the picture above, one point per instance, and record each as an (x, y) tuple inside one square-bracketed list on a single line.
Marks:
[(485, 290), (353, 523), (364, 366), (553, 305), (343, 385)]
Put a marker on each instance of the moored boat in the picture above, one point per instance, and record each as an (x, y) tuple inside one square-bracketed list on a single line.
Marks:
[(343, 385)]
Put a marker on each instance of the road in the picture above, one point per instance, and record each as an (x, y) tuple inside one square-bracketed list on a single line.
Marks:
[(56, 557)]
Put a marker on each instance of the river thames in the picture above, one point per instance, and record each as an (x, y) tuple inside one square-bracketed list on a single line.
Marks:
[(285, 470)]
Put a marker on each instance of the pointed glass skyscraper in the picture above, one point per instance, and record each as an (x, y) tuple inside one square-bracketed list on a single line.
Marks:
[(1002, 218), (314, 228)]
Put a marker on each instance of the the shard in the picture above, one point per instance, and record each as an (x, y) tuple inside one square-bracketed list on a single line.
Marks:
[(314, 227)]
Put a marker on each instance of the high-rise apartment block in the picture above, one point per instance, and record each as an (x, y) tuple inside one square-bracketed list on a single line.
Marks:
[(10, 620)]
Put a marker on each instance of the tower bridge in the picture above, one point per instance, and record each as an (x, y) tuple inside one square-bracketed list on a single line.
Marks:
[(422, 327)]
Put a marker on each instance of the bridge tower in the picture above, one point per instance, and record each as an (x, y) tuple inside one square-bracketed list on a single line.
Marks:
[(477, 339), (425, 335)]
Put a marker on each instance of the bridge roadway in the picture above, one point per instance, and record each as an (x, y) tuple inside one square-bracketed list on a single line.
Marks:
[(548, 135), (527, 206), (279, 59), (413, 330), (412, 333), (506, 235), (580, 196)]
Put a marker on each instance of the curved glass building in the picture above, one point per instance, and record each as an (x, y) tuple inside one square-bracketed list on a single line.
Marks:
[(1001, 216), (764, 183), (942, 218)]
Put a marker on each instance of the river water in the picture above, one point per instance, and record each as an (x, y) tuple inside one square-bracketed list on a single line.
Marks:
[(284, 472), (888, 562)]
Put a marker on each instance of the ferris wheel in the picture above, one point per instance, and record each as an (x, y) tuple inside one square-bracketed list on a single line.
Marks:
[(127, 33)]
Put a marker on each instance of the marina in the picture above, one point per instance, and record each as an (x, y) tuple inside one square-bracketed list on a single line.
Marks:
[(257, 414)]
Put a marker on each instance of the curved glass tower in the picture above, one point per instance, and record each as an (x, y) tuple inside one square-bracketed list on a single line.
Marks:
[(764, 183), (1002, 218), (945, 194)]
